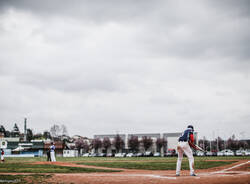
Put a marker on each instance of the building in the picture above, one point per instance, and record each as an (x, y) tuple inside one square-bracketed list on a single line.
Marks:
[(171, 138), (70, 153), (111, 137)]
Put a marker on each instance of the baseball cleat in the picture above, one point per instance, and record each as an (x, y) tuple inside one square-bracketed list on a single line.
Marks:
[(193, 174), (177, 175)]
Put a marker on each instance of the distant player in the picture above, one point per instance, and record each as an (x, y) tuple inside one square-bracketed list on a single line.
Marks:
[(48, 155), (52, 152), (2, 155), (185, 141)]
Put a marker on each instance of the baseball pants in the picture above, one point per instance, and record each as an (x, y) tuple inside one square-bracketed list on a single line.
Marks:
[(52, 156), (183, 147)]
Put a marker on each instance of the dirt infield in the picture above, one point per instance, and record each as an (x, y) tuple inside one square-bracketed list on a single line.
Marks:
[(238, 173)]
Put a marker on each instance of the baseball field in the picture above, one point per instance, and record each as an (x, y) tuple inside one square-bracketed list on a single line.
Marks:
[(135, 170)]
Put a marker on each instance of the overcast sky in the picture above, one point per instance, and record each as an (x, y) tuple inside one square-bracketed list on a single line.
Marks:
[(144, 66)]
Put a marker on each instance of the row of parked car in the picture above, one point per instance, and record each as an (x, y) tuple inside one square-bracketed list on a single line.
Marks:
[(226, 152), (170, 152), (145, 154)]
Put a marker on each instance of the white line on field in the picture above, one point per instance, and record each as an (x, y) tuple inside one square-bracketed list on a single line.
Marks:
[(224, 170)]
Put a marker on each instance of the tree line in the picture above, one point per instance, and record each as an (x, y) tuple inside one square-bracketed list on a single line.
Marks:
[(219, 144), (118, 144)]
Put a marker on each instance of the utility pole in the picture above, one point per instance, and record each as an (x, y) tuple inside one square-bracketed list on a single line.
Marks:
[(25, 129)]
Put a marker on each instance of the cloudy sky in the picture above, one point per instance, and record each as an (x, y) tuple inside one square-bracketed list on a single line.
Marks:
[(145, 66)]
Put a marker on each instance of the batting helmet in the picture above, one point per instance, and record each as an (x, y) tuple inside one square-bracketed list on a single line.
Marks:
[(191, 126)]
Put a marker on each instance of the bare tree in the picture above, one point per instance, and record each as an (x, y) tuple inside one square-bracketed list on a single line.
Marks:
[(55, 130), (161, 142), (118, 142), (86, 146), (233, 143), (79, 145), (146, 142), (204, 143), (106, 143), (96, 143), (134, 143), (64, 130)]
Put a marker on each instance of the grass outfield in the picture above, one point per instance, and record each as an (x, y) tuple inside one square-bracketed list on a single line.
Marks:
[(156, 165), (20, 179), (76, 159), (36, 168)]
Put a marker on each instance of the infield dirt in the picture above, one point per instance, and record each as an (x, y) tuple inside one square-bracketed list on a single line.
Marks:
[(236, 173)]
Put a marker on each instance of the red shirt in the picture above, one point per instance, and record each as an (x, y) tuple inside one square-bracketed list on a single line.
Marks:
[(191, 138)]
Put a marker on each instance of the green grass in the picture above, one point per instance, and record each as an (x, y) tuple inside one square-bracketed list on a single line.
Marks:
[(156, 165), (33, 168), (19, 179), (73, 159)]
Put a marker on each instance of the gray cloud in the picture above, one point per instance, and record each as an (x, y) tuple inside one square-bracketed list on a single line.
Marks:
[(127, 66)]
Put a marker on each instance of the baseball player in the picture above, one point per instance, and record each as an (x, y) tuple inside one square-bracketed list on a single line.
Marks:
[(52, 152), (185, 141), (2, 155)]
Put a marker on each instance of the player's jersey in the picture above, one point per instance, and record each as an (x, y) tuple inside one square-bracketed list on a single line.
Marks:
[(187, 135), (52, 148)]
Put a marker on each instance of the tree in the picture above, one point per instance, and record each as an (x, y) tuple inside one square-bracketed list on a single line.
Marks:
[(56, 130), (29, 134), (232, 143), (15, 132), (96, 143), (204, 143), (106, 143), (2, 130), (7, 133), (118, 142), (38, 136), (46, 135), (79, 145), (218, 144), (146, 142), (161, 142), (64, 130), (134, 143), (86, 146)]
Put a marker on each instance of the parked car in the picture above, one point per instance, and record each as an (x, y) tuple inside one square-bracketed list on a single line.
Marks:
[(120, 155), (148, 154), (209, 153), (246, 152), (130, 155), (171, 152), (86, 154), (101, 154), (110, 155), (228, 152), (93, 155), (157, 154), (239, 152), (139, 154), (200, 153), (220, 153)]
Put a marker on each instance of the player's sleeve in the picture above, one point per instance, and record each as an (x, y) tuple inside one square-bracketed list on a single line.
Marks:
[(191, 138)]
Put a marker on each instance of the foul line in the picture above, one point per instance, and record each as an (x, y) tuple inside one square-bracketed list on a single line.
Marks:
[(224, 170)]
